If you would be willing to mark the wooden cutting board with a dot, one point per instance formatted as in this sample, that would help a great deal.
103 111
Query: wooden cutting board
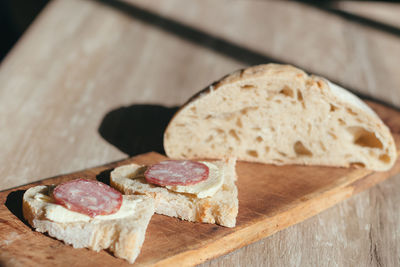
271 198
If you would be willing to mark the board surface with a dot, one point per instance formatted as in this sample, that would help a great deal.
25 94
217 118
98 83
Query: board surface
271 198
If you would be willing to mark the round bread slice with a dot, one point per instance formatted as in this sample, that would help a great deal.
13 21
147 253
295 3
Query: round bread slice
278 114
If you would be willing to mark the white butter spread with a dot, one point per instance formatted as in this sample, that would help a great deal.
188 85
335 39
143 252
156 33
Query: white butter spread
205 188
58 213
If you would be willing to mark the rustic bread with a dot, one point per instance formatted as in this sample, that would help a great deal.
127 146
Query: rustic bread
123 237
278 114
221 208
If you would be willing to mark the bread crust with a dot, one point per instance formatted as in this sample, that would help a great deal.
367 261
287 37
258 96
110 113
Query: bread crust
221 208
271 81
123 237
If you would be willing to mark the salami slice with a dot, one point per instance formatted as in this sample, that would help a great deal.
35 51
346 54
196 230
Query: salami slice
89 197
177 172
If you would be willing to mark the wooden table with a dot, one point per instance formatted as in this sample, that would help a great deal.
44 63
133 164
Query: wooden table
85 69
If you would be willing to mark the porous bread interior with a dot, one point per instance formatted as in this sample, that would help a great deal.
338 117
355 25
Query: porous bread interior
278 114
221 208
123 237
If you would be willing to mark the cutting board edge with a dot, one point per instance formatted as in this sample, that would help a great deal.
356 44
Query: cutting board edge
232 241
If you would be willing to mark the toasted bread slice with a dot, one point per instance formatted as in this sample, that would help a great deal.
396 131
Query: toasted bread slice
278 114
122 236
220 208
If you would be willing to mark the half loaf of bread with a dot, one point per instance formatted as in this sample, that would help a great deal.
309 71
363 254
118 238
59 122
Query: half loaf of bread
278 114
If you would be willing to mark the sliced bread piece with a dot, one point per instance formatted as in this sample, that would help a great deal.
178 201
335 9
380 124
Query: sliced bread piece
121 233
278 114
220 208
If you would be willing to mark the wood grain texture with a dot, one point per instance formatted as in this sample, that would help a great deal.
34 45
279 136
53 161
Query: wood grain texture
387 13
84 65
271 198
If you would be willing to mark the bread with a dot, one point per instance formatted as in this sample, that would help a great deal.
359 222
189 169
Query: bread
123 237
221 208
278 114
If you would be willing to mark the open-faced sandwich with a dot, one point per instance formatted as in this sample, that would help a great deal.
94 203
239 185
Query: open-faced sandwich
197 191
89 214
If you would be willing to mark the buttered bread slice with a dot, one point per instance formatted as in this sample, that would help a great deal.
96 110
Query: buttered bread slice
278 114
213 200
121 232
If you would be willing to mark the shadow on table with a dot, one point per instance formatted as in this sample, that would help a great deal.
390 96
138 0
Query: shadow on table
333 8
192 34
14 204
104 176
237 51
137 129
